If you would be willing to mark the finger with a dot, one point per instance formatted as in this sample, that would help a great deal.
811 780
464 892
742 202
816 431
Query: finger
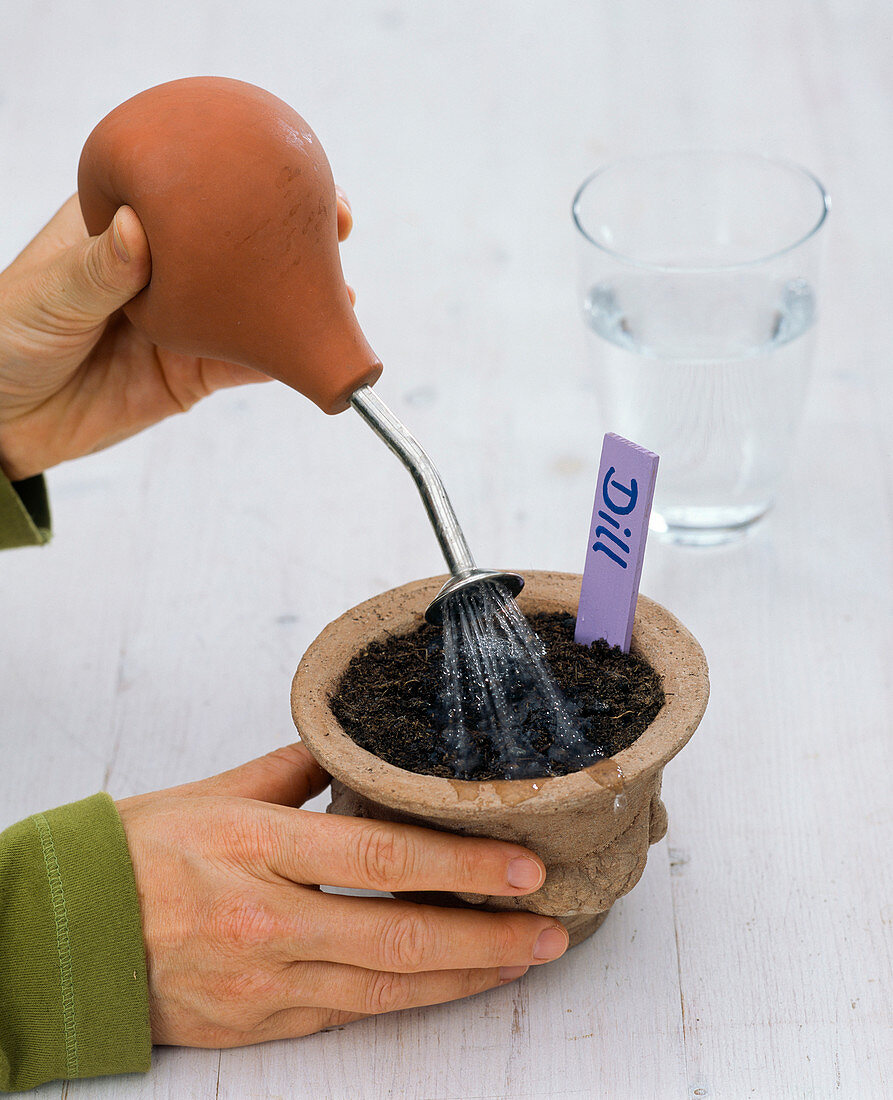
345 214
287 776
352 294
293 1023
378 855
405 938
217 374
371 992
205 375
88 281
65 228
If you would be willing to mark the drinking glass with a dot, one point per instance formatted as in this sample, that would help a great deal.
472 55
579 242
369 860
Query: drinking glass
699 286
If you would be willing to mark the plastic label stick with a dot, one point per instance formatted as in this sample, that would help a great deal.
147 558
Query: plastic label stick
613 568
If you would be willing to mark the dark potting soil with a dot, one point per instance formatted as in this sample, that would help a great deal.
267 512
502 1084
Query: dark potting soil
387 698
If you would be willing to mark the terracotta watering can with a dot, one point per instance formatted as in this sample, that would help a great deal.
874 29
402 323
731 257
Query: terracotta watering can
237 200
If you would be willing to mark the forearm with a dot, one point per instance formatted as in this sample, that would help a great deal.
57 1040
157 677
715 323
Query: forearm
73 987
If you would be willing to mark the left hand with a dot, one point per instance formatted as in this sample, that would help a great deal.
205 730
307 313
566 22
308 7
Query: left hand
242 946
75 375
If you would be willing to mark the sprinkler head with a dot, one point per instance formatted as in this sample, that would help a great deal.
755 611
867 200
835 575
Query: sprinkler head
514 582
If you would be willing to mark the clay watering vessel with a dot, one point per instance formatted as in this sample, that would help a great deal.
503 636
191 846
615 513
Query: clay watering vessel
592 828
238 202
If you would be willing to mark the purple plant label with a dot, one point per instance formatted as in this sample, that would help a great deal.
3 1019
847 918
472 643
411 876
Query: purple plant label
613 568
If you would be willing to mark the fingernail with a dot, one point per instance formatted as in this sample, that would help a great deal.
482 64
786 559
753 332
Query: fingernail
341 195
509 973
524 873
118 242
552 942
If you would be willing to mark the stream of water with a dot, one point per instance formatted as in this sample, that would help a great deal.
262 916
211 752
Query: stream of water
497 685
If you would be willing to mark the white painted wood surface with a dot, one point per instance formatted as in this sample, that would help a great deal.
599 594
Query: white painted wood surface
155 639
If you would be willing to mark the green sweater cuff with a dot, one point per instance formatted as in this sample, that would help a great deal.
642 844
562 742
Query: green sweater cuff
73 987
24 512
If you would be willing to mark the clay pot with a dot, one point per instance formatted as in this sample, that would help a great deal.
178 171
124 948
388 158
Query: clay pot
592 829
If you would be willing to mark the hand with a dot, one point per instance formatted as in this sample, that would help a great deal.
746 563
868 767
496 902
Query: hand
243 946
75 376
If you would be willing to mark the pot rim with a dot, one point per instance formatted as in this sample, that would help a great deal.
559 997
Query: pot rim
658 636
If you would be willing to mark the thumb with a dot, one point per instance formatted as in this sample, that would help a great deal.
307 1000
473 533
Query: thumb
286 776
93 278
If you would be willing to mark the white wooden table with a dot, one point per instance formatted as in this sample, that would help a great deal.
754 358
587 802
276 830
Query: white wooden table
155 640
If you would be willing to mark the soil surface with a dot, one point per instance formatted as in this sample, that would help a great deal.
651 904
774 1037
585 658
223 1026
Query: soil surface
388 698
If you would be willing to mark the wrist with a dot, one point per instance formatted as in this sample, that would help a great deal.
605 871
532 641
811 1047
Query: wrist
19 459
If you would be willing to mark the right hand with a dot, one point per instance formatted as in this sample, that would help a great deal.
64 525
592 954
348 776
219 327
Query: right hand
75 375
243 946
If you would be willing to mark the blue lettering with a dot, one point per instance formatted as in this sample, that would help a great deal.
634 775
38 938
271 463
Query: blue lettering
632 493
599 531
598 546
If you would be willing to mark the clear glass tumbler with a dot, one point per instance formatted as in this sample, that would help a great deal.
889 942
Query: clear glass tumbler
699 275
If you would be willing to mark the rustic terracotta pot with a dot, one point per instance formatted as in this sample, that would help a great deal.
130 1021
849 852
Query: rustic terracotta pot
592 828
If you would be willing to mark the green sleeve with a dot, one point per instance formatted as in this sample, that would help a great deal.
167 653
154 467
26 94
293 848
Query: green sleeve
24 512
73 988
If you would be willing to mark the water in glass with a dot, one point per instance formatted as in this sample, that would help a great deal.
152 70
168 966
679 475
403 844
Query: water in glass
709 370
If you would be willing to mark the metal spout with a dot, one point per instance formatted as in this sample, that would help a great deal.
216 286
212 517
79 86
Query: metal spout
434 497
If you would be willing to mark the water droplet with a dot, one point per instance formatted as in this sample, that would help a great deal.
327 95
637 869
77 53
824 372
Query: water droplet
607 773
512 792
466 792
